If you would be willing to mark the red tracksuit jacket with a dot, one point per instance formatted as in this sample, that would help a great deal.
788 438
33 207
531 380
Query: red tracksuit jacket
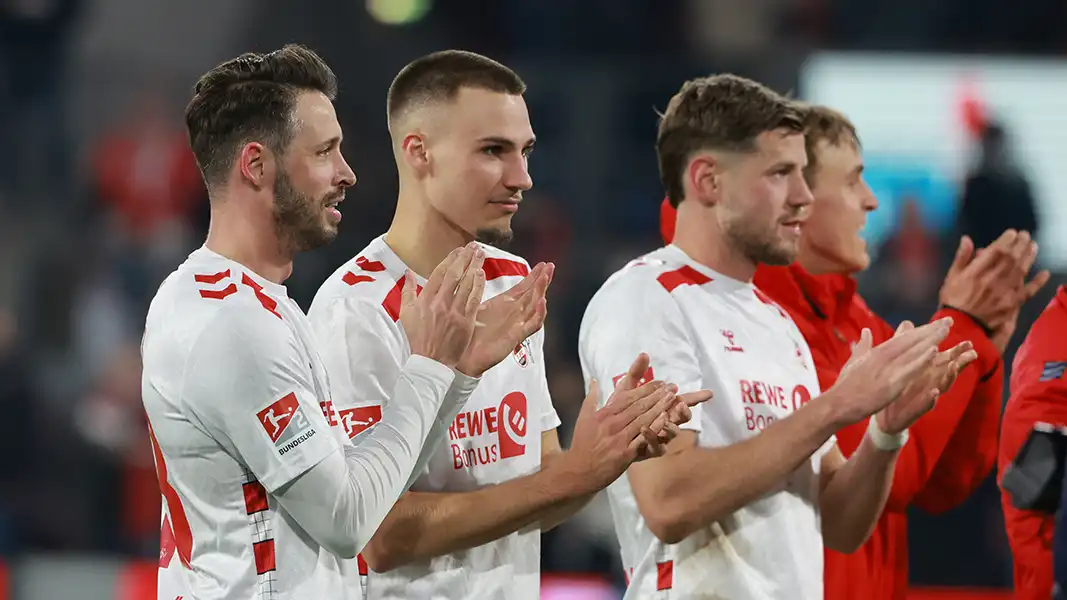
1038 393
950 451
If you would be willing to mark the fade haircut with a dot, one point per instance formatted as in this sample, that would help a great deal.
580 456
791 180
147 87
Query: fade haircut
823 124
251 98
438 77
720 112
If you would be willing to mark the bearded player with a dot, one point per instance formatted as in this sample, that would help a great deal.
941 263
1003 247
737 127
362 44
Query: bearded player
471 525
747 495
262 497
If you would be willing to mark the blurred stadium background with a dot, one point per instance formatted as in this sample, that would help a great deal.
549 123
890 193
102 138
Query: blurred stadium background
99 199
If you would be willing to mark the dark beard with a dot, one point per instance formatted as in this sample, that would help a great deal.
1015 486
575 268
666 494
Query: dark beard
757 250
297 218
499 238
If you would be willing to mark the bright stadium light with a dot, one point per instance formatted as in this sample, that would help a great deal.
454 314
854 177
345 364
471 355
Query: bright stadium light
398 12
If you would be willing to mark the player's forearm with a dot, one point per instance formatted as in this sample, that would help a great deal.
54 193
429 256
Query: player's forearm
853 498
423 525
455 399
706 485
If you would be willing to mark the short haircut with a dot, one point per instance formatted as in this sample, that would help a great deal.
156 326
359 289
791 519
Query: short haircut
438 77
721 112
823 124
251 98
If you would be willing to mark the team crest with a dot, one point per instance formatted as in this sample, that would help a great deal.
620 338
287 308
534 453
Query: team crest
522 353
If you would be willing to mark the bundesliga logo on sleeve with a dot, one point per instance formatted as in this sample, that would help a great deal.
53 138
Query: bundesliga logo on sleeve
285 423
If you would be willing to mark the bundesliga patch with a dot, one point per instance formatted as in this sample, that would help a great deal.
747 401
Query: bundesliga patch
285 423
1053 370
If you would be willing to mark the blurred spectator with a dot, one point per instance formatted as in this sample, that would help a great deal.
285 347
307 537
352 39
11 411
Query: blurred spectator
17 431
34 38
996 195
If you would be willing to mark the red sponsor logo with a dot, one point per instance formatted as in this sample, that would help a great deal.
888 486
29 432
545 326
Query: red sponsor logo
358 420
764 403
506 425
275 418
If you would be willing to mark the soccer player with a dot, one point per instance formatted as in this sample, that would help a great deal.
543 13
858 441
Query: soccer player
752 488
952 449
262 497
471 525
1038 394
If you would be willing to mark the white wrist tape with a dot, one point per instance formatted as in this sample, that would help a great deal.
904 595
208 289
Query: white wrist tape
884 441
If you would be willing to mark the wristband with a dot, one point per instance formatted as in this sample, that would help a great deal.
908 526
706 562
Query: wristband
884 441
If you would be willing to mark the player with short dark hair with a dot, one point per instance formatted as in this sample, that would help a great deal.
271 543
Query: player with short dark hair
471 525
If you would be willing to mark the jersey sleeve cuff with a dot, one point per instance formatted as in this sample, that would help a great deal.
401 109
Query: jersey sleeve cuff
427 367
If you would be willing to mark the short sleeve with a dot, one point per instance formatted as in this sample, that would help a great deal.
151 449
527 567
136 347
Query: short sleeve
631 316
249 384
549 418
364 352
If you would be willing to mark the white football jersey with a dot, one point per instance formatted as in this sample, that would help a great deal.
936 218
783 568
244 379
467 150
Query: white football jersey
235 394
703 330
495 438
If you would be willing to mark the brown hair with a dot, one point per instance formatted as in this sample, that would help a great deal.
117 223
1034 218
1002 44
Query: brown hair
721 112
441 75
251 98
823 124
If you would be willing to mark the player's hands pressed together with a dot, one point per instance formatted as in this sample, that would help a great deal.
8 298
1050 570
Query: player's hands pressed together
507 319
439 322
635 423
921 393
991 285
874 377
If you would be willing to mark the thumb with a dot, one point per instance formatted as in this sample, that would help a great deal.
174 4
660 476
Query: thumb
590 402
407 292
636 372
964 253
904 326
863 346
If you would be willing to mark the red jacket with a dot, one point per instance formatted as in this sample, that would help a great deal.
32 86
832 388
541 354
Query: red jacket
1033 400
950 451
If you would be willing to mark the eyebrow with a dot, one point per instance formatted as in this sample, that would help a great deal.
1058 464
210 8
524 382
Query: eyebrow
505 142
331 143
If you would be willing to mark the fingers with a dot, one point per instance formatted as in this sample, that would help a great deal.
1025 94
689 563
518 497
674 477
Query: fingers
451 278
643 413
694 398
474 298
537 319
905 326
433 285
1034 286
589 404
989 256
465 281
964 255
904 346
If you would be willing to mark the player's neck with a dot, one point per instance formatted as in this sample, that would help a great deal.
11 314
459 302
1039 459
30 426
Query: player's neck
813 261
249 241
701 238
422 237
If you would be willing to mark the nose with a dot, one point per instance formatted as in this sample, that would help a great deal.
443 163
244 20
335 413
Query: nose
517 176
800 194
870 201
346 177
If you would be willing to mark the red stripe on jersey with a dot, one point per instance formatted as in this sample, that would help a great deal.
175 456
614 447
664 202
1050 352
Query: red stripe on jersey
217 277
268 303
502 267
391 304
361 564
664 575
352 279
684 276
183 535
264 553
372 266
767 300
255 497
219 294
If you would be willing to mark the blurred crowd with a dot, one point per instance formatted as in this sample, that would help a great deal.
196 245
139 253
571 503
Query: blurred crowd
100 199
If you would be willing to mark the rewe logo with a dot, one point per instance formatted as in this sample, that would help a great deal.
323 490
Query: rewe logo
512 430
285 423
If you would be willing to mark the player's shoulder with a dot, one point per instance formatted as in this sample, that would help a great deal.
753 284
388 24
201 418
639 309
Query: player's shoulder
645 283
372 280
211 294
